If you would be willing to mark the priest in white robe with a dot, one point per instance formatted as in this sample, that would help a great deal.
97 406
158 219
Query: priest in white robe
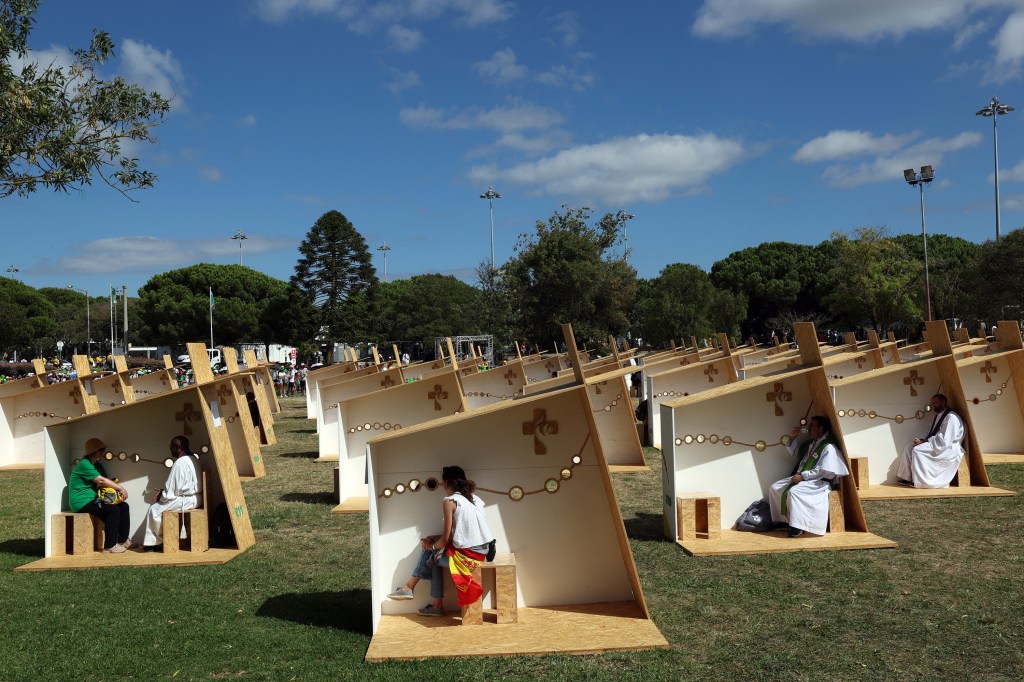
932 461
180 492
801 500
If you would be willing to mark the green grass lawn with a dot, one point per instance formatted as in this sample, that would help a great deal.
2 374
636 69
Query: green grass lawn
946 604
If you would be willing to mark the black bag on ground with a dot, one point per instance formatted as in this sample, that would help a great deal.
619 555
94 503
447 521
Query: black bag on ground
641 411
757 518
221 533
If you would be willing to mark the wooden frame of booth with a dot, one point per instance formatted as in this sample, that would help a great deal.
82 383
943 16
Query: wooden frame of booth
725 447
143 428
25 414
537 463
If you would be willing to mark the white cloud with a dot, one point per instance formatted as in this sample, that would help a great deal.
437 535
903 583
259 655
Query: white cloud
55 56
574 75
891 154
512 118
404 39
1014 202
535 144
967 33
859 21
146 66
248 121
210 174
402 80
1015 174
502 67
621 170
1009 44
838 144
567 26
152 254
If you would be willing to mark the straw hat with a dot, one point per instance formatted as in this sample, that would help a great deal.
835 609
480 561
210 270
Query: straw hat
92 445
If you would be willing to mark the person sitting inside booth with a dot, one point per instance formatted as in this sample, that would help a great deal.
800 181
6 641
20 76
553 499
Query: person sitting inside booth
801 501
932 461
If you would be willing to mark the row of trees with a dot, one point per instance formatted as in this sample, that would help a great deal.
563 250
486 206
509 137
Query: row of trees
570 269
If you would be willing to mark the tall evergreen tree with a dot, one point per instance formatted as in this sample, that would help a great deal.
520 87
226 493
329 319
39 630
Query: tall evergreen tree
335 271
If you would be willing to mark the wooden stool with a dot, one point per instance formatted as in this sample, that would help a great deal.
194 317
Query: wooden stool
836 518
699 516
75 533
195 521
963 473
859 469
504 603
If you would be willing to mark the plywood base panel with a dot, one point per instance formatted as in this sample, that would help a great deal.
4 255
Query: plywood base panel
890 491
246 479
777 541
627 468
577 629
353 505
132 558
23 467
1003 458
327 458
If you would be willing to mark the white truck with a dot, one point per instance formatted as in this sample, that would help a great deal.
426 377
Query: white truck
216 360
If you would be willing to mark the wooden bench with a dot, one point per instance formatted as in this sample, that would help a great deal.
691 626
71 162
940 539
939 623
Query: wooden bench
836 518
196 523
859 469
699 516
75 533
502 574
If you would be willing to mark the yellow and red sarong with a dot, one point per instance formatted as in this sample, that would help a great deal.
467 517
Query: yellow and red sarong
462 563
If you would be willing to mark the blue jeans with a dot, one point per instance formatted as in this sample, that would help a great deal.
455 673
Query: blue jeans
428 569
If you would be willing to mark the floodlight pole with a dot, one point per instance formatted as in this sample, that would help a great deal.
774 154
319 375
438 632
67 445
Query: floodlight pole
623 217
995 110
241 237
491 195
384 248
913 178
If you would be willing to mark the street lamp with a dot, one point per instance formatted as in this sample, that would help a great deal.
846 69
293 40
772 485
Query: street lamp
623 217
926 175
995 110
240 236
13 270
384 248
88 324
491 195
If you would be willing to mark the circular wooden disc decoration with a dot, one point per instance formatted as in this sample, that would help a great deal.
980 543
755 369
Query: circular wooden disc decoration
387 492
760 446
515 493
899 419
431 483
399 488
726 440
679 441
108 456
566 473
205 449
687 439
700 437
168 462
414 485
136 457
576 459
713 438
872 414
919 414
122 456
803 421
785 439
551 485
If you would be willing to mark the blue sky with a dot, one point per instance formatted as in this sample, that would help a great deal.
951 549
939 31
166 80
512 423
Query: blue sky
719 124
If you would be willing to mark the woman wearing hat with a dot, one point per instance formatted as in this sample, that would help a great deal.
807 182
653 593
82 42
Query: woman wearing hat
87 478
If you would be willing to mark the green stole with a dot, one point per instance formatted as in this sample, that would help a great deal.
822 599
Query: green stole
807 465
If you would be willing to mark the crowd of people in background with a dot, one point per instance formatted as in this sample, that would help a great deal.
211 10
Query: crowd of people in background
290 380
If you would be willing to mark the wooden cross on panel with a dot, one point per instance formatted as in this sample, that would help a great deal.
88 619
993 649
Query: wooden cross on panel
186 415
779 396
387 381
540 426
710 371
223 391
912 380
509 376
989 369
437 395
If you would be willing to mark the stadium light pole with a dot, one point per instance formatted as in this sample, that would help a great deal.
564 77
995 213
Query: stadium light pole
926 175
241 237
13 270
623 217
88 323
995 110
491 195
384 248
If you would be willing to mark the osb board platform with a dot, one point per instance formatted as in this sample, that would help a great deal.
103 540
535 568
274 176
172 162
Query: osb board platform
353 505
133 558
27 466
327 458
578 629
777 541
627 468
1003 458
888 491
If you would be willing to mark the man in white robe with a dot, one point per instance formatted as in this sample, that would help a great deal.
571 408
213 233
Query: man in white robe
802 499
180 492
932 461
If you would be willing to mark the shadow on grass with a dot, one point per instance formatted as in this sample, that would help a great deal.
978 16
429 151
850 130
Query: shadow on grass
311 498
348 610
33 547
644 526
303 455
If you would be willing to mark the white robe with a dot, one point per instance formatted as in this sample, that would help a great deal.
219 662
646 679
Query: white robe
807 502
180 494
934 463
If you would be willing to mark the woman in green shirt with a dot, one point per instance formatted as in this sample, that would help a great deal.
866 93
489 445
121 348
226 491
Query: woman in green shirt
87 478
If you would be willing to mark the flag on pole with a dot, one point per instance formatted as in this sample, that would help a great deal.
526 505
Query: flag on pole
211 298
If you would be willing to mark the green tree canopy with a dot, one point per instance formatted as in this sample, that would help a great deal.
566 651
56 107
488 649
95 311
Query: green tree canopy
994 284
26 319
175 305
425 307
566 273
61 126
682 302
335 271
950 259
775 278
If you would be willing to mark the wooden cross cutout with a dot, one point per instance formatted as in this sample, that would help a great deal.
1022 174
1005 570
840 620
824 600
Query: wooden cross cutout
116 387
988 369
598 385
912 380
509 376
186 415
779 396
436 395
223 391
540 426
860 361
387 381
548 367
710 373
74 395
